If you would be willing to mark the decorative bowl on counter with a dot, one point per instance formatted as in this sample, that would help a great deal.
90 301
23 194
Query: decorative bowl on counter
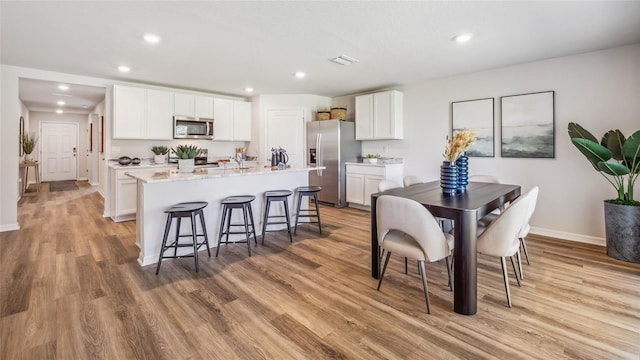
124 160
135 161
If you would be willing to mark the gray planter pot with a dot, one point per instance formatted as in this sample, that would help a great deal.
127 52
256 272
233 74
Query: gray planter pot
622 223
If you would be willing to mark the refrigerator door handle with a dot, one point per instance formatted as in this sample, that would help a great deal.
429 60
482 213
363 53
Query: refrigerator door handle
319 153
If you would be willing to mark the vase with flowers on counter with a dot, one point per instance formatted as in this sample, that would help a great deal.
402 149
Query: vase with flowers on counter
454 172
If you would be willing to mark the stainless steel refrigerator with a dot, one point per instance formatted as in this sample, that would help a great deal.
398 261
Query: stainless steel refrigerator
331 143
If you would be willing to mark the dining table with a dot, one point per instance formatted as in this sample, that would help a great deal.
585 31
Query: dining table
465 208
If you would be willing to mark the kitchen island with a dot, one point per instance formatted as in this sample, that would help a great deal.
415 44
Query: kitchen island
159 190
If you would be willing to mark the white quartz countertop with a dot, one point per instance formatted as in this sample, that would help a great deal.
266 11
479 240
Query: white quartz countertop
211 173
381 162
144 165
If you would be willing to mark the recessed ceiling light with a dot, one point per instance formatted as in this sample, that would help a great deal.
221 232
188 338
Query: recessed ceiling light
63 87
300 74
152 38
462 38
248 89
124 69
59 111
60 102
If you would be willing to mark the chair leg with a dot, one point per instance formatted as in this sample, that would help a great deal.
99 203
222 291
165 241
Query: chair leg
286 213
386 262
253 225
423 273
167 227
220 233
264 220
406 266
515 272
295 231
315 200
204 232
523 242
246 228
505 277
175 248
519 258
450 284
194 236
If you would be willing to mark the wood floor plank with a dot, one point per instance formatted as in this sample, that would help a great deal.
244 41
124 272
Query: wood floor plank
71 288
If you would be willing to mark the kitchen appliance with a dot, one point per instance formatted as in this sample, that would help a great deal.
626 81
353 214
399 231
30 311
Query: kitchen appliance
331 143
185 127
279 156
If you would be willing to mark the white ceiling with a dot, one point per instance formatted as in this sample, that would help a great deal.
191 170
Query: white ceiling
40 95
224 47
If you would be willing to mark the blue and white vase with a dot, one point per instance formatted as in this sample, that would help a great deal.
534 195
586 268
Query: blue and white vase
449 177
463 173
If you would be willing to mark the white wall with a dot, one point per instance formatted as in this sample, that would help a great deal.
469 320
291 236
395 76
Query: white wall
599 90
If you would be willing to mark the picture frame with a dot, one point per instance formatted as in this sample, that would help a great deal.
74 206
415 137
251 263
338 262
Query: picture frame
477 115
528 125
21 135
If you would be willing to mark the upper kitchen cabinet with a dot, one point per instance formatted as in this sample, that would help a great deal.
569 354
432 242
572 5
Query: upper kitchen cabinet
379 116
142 113
184 104
203 107
232 120
159 115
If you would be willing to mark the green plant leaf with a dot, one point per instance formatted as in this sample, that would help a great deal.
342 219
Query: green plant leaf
613 168
593 151
614 140
577 131
631 149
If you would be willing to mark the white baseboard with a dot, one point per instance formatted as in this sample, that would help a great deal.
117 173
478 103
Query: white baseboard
9 227
82 179
569 236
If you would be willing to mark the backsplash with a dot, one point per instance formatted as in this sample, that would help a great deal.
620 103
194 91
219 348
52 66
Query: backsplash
142 148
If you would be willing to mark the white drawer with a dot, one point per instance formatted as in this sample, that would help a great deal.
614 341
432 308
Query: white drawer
366 169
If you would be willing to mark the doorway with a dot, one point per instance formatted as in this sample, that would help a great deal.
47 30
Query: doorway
58 151
285 129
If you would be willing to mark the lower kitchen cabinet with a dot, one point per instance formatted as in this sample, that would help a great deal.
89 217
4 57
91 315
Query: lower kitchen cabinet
124 193
362 180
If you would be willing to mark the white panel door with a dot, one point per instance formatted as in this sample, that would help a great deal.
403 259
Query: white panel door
58 152
285 129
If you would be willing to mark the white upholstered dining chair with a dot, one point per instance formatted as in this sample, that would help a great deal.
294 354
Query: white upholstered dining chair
411 180
500 238
385 185
533 193
408 229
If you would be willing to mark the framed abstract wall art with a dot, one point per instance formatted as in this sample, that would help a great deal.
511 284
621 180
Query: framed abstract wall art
476 115
528 125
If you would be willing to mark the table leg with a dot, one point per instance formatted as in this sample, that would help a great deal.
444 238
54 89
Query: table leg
25 177
465 264
375 252
37 169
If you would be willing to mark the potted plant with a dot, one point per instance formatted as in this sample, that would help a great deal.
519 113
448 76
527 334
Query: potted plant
186 155
617 159
28 144
372 158
160 153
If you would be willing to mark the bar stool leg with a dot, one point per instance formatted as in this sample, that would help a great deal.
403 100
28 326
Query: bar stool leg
194 236
204 231
286 212
315 200
255 237
175 245
221 232
295 231
246 228
164 242
264 220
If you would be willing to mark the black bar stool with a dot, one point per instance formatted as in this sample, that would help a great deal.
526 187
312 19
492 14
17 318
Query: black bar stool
310 191
276 195
179 211
237 202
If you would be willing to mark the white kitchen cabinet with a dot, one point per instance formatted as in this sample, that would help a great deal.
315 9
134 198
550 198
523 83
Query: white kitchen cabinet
363 180
124 192
379 116
203 107
232 120
129 119
159 115
184 104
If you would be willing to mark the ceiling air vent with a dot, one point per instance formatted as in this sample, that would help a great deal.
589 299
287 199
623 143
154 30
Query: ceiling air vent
344 60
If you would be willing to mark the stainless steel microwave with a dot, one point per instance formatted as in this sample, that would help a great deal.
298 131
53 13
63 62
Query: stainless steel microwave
186 127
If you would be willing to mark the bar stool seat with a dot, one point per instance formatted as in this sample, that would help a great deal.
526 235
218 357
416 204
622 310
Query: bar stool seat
237 202
179 211
312 192
271 196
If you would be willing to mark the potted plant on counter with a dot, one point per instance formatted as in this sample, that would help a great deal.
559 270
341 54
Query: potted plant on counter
617 159
28 144
160 154
186 155
372 158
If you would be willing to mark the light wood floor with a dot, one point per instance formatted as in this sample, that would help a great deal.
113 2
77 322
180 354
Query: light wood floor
71 288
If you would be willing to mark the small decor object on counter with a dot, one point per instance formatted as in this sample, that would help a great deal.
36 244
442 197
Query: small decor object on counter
124 160
453 151
323 115
160 154
339 113
28 144
371 158
135 161
463 172
449 177
186 157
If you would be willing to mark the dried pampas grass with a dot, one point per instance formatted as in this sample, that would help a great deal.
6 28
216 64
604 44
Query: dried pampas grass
459 144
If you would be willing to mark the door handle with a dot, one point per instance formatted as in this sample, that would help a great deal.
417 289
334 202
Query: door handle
319 154
74 151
